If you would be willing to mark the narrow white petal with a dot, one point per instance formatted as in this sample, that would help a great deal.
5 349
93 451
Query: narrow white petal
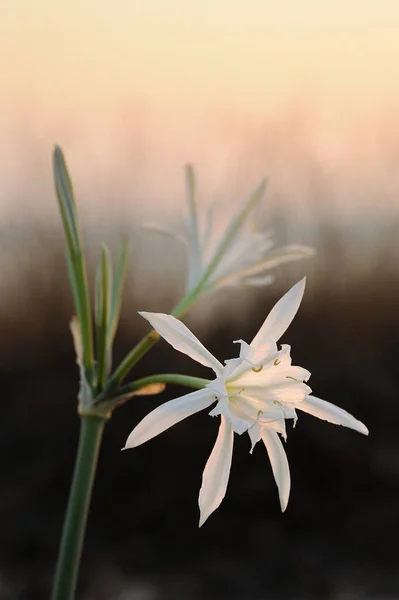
281 315
276 425
154 227
169 414
258 281
276 257
256 355
279 463
329 412
216 472
254 435
253 272
180 337
278 390
245 250
236 419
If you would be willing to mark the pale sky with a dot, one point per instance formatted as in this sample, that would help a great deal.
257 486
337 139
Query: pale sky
249 54
134 89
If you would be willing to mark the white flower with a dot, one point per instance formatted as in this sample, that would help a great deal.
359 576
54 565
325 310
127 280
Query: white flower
227 248
255 393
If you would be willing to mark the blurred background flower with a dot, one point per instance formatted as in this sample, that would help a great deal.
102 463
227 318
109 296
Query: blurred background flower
303 93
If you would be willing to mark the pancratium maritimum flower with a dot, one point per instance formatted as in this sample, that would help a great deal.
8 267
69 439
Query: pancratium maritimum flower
226 247
255 392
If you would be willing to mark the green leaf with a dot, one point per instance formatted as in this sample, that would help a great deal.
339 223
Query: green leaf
116 300
65 195
75 255
102 312
194 246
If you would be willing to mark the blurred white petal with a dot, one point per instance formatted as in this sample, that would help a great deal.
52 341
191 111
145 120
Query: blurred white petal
263 281
227 242
253 275
278 257
155 228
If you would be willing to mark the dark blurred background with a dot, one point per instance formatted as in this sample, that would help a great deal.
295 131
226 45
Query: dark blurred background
338 537
304 93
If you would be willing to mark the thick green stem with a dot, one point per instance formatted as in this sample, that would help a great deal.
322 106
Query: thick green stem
78 507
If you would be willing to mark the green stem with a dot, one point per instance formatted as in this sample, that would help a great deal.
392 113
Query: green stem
146 344
171 378
78 507
132 358
186 302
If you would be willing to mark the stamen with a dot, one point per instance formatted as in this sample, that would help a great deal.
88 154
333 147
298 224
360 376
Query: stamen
262 421
277 362
257 369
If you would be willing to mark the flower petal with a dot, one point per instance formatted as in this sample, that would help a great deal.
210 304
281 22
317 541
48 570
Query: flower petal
329 412
255 435
279 256
253 272
155 228
237 420
256 355
216 472
262 281
281 315
279 463
169 414
180 337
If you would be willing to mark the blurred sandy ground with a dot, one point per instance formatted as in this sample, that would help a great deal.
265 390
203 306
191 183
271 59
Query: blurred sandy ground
330 149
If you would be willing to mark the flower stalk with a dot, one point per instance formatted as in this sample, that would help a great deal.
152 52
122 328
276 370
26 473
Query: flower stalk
91 431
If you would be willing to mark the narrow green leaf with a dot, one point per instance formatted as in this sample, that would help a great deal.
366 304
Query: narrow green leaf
75 256
194 246
74 286
102 311
65 195
117 290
